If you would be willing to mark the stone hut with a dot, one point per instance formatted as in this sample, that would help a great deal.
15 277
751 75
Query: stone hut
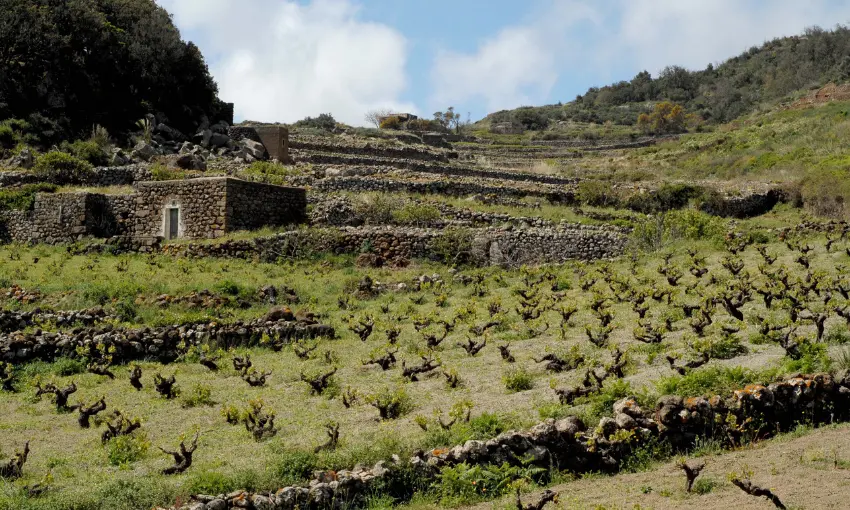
192 209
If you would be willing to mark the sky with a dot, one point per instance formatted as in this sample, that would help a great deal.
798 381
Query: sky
283 60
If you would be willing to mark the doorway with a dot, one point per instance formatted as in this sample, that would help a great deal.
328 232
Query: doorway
172 222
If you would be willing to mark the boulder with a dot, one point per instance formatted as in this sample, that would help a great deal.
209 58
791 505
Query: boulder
220 127
23 159
202 137
144 151
191 162
218 140
255 149
118 158
169 133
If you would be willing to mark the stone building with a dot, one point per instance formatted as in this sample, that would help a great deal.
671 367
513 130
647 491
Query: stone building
192 209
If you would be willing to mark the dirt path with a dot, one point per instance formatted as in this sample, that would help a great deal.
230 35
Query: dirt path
807 472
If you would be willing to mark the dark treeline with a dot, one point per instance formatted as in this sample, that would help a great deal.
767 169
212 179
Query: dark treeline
717 93
66 65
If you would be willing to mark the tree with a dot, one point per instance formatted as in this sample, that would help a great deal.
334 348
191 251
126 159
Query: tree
667 117
448 119
108 62
374 116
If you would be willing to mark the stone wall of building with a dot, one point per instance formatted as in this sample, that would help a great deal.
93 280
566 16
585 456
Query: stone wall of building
55 218
252 205
201 202
208 208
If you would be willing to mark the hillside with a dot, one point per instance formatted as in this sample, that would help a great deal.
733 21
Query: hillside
773 71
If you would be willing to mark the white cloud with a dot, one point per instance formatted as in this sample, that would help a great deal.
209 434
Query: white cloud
517 66
695 33
282 60
586 41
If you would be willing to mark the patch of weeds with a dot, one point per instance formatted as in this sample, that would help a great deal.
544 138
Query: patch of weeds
644 455
704 486
126 449
518 379
200 395
837 335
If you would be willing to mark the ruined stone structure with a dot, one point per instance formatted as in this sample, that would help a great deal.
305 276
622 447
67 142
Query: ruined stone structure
195 209
275 139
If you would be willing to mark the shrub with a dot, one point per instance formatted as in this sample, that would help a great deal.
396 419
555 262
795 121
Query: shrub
87 150
454 245
416 214
126 449
200 395
23 198
227 287
62 168
826 192
518 379
704 486
654 233
293 467
377 209
324 121
8 139
666 198
596 193
392 404
464 483
422 125
160 172
64 367
391 122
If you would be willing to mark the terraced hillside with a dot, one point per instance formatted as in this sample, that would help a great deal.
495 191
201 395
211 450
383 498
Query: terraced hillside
454 322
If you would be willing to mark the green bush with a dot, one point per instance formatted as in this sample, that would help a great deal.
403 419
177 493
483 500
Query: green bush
596 194
666 198
518 379
665 228
293 467
711 381
126 449
464 483
62 168
160 172
454 245
324 121
416 214
396 402
378 208
87 150
392 122
199 396
8 138
227 287
270 172
827 192
23 198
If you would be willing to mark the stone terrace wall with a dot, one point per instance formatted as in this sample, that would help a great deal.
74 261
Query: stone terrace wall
252 205
572 445
487 245
55 218
103 176
202 204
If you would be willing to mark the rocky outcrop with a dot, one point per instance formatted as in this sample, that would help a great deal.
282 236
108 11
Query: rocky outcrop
569 444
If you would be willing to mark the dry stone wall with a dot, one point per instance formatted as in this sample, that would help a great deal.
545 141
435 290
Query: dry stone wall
486 246
201 202
253 205
569 444
162 343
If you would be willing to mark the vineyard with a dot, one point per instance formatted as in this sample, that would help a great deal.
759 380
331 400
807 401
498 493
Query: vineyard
458 325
